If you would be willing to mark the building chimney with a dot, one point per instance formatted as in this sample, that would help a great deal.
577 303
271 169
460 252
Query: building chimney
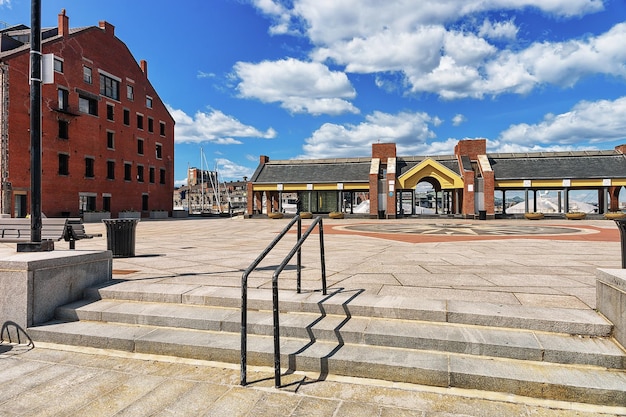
64 24
144 67
264 159
107 27
621 149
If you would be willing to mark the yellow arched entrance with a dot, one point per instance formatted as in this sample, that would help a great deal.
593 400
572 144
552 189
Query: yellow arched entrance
447 178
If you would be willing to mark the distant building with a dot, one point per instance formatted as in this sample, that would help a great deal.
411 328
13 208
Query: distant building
467 183
205 194
107 138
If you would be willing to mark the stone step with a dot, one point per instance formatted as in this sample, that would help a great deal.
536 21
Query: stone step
411 334
578 383
358 303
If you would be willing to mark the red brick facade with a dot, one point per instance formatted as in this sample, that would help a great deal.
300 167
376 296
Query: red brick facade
111 147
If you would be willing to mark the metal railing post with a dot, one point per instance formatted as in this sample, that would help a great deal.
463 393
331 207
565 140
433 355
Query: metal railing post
621 225
322 257
299 259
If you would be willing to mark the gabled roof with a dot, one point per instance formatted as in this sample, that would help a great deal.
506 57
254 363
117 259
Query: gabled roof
314 171
574 165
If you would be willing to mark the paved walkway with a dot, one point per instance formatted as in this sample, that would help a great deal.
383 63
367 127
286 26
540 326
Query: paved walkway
511 262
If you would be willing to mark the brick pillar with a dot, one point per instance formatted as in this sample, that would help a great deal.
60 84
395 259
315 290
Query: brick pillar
489 193
250 199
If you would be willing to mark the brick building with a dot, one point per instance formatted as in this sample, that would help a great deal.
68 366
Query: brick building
107 138
465 183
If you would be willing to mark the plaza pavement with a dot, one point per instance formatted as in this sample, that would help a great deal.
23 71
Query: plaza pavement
480 261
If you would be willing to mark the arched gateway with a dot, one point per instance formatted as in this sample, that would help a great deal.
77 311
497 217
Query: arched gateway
465 182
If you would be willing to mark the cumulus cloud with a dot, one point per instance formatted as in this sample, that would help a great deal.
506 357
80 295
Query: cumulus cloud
423 44
299 87
593 122
458 119
231 171
215 127
409 131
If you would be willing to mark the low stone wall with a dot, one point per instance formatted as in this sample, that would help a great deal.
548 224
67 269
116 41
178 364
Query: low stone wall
33 285
611 299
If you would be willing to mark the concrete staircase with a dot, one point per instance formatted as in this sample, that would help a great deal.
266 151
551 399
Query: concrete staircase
551 353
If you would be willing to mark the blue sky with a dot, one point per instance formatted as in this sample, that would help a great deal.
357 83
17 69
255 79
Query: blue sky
326 78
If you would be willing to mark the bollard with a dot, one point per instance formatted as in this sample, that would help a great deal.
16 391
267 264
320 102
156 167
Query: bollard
621 225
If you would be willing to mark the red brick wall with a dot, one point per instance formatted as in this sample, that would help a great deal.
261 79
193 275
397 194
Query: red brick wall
99 50
471 148
383 151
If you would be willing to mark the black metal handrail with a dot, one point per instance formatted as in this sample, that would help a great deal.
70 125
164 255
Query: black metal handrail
297 249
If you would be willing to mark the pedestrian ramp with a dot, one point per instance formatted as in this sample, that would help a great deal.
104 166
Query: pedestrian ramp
548 353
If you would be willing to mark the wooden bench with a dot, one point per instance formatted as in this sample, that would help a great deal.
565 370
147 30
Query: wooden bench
17 230
76 231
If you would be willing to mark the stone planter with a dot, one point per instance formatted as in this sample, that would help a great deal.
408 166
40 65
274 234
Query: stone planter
613 215
306 215
336 215
533 216
275 215
158 215
575 216
129 215
180 214
95 216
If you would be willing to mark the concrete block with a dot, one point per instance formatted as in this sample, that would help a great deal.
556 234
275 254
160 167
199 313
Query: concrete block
34 284
611 299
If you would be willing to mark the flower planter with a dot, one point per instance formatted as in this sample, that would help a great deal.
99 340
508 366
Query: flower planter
180 214
533 216
129 215
95 216
158 215
575 216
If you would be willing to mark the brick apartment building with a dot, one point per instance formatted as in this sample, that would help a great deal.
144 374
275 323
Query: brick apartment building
107 138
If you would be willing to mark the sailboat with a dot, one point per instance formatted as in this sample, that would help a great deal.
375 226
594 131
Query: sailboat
218 207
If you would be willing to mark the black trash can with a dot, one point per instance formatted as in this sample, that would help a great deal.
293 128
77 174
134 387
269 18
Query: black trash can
121 236
621 225
482 214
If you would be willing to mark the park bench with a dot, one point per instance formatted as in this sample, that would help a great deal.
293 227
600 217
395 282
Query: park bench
17 230
76 231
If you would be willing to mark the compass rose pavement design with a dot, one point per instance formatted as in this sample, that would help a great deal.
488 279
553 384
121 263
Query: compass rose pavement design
450 229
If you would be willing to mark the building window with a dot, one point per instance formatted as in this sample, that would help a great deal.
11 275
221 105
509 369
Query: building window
58 65
87 202
110 109
127 117
109 87
159 151
110 140
64 129
139 173
140 146
162 128
128 169
139 121
130 92
151 175
64 164
63 99
89 167
106 202
162 176
144 202
88 105
150 124
110 170
149 102
87 77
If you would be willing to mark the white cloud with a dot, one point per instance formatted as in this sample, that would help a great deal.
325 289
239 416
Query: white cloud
458 119
586 122
215 127
202 74
300 87
418 42
498 30
230 171
409 131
